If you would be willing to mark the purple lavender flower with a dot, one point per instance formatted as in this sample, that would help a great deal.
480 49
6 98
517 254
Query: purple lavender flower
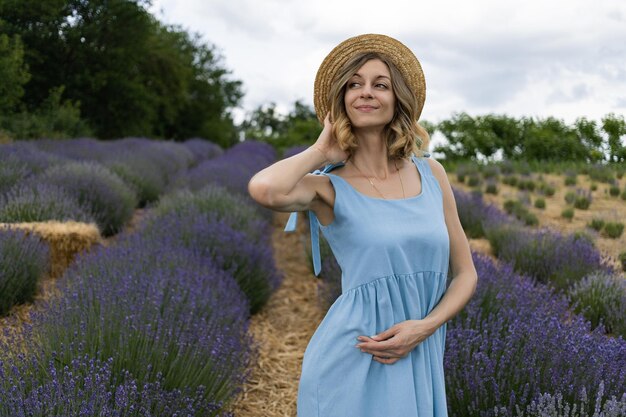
23 261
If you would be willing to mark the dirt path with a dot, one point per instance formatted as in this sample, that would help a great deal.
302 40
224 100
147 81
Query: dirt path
283 329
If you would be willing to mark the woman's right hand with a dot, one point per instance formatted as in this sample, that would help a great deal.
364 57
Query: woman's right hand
328 145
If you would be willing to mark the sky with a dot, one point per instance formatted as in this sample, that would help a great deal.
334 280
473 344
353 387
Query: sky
536 58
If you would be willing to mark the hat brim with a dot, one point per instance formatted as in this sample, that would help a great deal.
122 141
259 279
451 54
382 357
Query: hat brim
401 56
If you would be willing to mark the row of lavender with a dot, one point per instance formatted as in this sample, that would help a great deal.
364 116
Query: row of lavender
81 180
570 264
155 324
518 349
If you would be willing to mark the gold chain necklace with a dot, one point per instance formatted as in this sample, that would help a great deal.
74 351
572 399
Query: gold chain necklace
400 176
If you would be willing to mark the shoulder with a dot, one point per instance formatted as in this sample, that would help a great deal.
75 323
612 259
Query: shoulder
437 169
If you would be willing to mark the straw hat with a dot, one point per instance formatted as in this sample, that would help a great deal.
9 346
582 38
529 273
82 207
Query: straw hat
397 52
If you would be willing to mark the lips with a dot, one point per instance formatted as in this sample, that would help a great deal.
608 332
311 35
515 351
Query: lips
366 108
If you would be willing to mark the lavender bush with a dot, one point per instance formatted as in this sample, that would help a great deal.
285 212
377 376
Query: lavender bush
35 202
233 169
82 388
219 201
517 340
547 255
23 261
601 298
19 162
474 213
167 317
104 194
80 149
202 149
211 234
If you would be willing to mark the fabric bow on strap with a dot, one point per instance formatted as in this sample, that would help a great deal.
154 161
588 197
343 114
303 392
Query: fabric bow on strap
313 227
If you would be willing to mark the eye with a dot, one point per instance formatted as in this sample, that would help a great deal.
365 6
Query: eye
353 84
382 85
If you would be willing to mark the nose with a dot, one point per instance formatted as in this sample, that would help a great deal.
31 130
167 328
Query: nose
366 91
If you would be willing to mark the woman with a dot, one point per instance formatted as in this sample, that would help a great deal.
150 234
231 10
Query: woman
390 218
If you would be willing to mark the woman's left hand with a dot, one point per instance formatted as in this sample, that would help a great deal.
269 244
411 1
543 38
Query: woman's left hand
396 342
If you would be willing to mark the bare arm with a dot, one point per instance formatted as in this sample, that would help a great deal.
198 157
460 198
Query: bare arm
463 285
287 185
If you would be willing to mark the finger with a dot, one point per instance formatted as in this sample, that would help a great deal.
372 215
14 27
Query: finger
385 360
392 331
381 346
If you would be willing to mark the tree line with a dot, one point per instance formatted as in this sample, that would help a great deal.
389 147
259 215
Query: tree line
485 137
110 69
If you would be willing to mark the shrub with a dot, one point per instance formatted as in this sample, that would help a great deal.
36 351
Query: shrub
526 184
144 178
546 189
23 261
570 179
570 197
568 213
510 180
622 259
613 230
593 186
474 213
554 405
596 224
21 161
104 194
582 199
601 298
614 190
32 202
491 188
546 255
601 173
540 203
517 208
215 199
158 314
473 180
212 236
202 149
490 171
516 340
83 388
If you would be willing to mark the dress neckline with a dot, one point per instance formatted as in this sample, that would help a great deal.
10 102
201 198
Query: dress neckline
415 197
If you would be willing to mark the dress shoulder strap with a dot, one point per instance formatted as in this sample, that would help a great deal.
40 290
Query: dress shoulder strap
313 227
422 162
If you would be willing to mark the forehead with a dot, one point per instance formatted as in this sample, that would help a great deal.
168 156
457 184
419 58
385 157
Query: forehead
374 67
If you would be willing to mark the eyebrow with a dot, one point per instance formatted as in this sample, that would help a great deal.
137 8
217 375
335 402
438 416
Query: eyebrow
380 76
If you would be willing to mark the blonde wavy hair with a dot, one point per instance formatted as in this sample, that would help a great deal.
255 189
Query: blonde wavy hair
403 135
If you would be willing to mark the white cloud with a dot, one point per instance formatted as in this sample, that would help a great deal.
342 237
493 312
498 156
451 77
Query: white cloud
536 58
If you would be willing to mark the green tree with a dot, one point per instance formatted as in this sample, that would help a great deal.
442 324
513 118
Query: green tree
615 128
589 136
129 73
461 132
299 127
13 73
551 139
507 132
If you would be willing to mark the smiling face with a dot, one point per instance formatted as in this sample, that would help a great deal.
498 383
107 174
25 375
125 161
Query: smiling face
369 97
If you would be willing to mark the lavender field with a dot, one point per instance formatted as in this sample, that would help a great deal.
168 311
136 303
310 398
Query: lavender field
156 321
